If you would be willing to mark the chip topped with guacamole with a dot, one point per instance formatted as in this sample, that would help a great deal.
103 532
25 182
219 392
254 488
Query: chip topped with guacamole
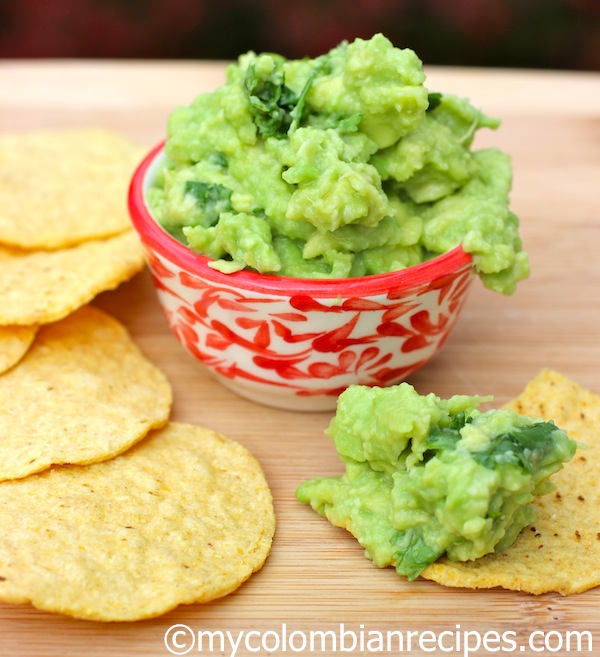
426 477
340 166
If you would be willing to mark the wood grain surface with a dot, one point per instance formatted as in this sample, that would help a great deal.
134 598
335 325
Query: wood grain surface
316 578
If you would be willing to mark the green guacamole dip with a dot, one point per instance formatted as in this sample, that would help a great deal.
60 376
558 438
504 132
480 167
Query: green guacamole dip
343 165
426 476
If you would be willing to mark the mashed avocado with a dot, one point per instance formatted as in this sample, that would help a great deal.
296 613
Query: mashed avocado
343 165
426 476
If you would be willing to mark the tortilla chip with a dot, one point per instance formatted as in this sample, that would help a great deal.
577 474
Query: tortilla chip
14 343
38 287
185 516
60 188
560 551
83 393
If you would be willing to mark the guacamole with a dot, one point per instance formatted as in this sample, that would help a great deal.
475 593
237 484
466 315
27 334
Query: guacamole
338 166
426 476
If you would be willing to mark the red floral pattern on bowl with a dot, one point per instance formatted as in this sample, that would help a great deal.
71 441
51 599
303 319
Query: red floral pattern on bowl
298 343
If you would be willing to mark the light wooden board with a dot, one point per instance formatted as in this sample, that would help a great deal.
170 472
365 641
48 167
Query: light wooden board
316 577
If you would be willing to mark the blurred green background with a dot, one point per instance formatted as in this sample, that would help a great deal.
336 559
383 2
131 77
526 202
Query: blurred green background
552 34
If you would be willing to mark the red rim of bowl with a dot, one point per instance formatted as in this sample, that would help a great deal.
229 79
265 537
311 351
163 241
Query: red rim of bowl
157 238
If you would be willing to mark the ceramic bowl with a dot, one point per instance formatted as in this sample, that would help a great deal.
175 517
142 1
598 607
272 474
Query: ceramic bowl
298 343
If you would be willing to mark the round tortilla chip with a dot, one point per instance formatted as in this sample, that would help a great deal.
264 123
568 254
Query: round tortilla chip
560 551
60 188
14 343
185 516
38 287
83 393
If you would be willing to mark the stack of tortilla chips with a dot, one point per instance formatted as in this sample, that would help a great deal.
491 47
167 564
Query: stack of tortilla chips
109 511
65 233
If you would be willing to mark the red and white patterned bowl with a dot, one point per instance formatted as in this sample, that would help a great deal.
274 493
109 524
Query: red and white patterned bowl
298 343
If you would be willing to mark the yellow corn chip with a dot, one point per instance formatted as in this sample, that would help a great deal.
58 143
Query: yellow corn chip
560 551
38 287
14 343
82 393
185 516
59 188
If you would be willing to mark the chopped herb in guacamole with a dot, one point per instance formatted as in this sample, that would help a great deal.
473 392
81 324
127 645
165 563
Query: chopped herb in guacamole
426 477
352 164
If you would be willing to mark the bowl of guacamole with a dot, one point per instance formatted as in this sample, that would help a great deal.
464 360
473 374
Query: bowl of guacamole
315 223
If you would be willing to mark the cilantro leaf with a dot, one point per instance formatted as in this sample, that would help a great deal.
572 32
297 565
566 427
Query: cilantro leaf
435 100
211 197
276 109
414 553
526 447
445 438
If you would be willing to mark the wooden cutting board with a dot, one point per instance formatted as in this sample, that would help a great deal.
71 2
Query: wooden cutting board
316 578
